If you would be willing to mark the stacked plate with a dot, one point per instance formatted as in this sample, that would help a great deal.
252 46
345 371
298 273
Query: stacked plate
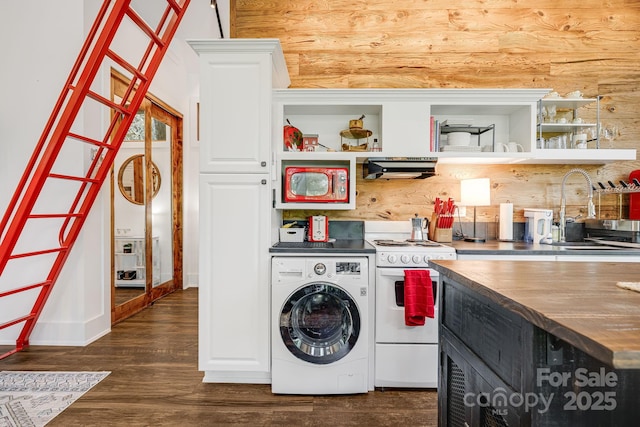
467 148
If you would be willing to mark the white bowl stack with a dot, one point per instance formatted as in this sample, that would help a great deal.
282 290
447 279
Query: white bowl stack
459 138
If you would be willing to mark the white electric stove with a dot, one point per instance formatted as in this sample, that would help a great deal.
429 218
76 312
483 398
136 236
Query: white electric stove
405 356
395 249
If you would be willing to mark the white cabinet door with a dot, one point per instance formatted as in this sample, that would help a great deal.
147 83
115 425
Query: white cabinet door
235 112
234 323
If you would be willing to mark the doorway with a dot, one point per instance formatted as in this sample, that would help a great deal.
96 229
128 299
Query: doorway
146 207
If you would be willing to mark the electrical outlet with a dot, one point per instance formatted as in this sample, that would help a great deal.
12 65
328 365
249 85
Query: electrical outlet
461 210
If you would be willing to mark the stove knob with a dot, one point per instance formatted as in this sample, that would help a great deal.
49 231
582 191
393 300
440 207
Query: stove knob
416 259
405 259
392 259
427 258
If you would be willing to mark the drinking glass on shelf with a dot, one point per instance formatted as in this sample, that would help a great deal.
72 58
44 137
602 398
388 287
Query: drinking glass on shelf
562 141
608 132
551 113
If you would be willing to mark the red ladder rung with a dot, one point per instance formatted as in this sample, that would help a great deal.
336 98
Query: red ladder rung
90 140
101 99
61 215
167 15
144 27
25 288
16 321
74 178
125 64
35 253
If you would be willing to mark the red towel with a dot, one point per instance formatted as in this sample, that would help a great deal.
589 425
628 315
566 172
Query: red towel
418 297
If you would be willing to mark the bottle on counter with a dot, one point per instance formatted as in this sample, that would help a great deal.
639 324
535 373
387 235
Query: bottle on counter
555 232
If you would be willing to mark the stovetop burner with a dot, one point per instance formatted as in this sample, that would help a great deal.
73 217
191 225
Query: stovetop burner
408 242
391 243
428 243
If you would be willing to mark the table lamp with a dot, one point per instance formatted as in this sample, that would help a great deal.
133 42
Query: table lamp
475 192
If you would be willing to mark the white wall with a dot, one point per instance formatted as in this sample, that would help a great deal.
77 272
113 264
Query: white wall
36 65
78 308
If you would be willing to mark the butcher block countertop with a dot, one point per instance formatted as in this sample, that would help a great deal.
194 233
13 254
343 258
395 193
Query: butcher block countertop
577 302
495 247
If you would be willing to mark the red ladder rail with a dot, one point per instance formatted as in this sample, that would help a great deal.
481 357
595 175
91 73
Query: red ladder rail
77 96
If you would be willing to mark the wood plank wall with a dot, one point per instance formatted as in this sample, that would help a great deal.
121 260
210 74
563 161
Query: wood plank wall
587 45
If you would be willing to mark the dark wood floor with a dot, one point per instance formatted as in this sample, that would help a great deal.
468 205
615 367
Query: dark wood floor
155 382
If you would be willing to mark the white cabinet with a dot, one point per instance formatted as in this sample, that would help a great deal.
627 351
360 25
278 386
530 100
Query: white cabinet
339 160
397 118
130 260
234 322
561 116
400 120
494 117
236 213
236 81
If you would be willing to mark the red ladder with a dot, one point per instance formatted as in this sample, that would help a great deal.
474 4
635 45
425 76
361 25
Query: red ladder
25 214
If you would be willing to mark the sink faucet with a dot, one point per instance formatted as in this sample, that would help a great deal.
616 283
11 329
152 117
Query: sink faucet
591 209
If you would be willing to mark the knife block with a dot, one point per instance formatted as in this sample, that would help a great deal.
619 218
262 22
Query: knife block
442 235
432 226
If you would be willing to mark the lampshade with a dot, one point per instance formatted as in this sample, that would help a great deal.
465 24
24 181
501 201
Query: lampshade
475 192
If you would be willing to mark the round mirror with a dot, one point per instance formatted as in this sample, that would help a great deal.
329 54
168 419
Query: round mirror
131 179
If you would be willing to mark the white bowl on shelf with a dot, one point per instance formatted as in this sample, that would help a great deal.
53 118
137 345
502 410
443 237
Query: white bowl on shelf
459 138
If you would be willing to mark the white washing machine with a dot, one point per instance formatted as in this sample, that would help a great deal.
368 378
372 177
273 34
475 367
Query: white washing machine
320 329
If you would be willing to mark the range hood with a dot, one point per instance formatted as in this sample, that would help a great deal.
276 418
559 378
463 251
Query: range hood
399 167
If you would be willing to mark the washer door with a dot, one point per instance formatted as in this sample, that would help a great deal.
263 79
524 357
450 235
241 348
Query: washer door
320 323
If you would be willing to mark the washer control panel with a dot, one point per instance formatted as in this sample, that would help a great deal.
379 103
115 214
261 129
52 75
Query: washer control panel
339 269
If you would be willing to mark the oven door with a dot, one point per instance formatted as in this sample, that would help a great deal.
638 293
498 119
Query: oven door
390 326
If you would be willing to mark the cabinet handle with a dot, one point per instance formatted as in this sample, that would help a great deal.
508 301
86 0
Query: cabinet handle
263 182
263 164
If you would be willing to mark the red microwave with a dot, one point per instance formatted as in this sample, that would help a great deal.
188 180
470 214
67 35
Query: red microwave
316 184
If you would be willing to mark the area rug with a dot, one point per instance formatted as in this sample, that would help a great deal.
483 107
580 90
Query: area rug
33 398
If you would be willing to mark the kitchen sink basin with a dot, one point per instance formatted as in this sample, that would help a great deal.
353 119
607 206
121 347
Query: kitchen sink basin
594 245
577 244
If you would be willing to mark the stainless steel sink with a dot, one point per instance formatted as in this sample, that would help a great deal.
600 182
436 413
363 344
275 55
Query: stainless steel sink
593 245
576 244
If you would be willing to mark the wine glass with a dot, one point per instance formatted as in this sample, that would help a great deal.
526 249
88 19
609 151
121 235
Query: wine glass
551 113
